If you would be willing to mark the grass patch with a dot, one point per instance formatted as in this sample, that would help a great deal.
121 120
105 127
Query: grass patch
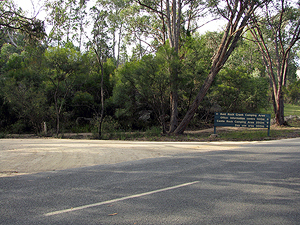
205 136
294 122
242 134
289 109
154 134
259 135
227 134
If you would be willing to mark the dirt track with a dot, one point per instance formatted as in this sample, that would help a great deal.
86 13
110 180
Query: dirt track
23 156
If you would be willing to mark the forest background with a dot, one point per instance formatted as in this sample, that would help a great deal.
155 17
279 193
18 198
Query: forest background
126 65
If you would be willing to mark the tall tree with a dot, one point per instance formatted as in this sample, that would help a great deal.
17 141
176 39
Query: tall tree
116 21
170 20
237 13
22 84
143 85
276 34
67 19
62 64
102 48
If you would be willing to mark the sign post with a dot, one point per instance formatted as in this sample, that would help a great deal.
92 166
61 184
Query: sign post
250 120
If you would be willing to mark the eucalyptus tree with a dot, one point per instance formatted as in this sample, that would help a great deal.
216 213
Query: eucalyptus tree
62 64
142 86
102 46
16 32
277 33
22 85
238 14
163 20
67 19
116 21
169 22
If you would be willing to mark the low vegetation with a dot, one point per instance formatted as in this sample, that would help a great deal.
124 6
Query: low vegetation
205 135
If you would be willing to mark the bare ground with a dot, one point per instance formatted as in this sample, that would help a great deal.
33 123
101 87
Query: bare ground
24 156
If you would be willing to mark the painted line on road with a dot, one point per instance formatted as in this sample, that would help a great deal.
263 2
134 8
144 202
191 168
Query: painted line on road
119 199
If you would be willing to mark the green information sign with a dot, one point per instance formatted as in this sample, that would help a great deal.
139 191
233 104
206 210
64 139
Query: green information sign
250 120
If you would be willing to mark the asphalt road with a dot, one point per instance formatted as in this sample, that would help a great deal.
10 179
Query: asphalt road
257 183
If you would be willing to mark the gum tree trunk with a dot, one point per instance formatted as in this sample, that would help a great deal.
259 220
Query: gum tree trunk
239 15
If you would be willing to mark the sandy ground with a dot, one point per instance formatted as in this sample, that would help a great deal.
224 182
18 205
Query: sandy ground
24 156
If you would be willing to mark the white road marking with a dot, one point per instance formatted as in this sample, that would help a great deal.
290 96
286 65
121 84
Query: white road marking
119 199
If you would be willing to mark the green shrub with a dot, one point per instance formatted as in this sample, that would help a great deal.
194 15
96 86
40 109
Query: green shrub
153 131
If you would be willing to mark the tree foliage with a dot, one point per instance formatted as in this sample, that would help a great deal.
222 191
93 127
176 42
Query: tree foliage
23 88
238 14
78 78
276 33
238 91
62 65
